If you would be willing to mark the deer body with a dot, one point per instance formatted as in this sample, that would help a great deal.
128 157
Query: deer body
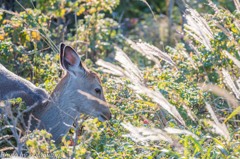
79 91
13 86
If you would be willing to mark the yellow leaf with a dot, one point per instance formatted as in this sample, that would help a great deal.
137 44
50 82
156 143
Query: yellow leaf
234 30
62 12
81 10
83 151
147 103
234 113
1 36
35 35
95 120
5 21
92 10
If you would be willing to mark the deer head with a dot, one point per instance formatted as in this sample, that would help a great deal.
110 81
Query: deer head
83 87
79 91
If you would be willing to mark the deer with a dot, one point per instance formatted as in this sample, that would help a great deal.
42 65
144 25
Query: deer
79 91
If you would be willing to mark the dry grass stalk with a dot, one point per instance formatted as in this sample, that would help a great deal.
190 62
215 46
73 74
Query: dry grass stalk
230 83
237 24
151 52
228 33
219 128
186 55
220 92
112 69
219 24
130 70
137 48
142 134
231 57
197 27
237 4
213 6
224 30
190 113
238 82
170 130
157 97
12 123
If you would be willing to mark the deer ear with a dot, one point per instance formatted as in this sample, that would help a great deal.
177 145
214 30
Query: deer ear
70 60
62 45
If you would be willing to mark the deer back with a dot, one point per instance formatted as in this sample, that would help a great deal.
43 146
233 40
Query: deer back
13 86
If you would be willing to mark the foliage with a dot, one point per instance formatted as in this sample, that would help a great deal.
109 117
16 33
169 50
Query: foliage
28 41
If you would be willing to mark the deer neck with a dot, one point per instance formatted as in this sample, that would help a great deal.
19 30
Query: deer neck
59 114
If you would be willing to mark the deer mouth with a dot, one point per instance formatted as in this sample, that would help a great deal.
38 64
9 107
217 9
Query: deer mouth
103 117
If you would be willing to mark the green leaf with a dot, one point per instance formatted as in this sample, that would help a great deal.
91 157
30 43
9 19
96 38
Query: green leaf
197 145
234 113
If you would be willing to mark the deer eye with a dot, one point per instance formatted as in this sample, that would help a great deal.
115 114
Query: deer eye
98 90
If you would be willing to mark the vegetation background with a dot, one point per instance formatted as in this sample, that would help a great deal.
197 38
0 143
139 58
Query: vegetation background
170 68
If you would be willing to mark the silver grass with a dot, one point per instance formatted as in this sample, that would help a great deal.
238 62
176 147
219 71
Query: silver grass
220 92
228 33
186 55
130 69
134 74
190 113
213 6
151 52
221 129
112 69
157 97
197 27
231 57
170 130
138 49
230 83
236 22
238 83
142 134
237 5
224 30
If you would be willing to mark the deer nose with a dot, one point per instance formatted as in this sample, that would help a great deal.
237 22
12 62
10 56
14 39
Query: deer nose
105 116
